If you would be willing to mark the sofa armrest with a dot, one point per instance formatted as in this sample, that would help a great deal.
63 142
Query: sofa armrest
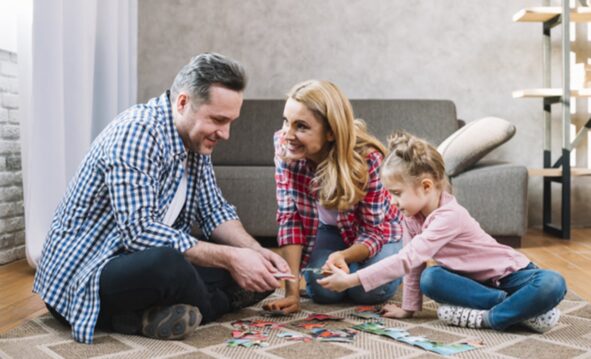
495 194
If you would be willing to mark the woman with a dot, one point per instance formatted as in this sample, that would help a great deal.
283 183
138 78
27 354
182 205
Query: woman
332 207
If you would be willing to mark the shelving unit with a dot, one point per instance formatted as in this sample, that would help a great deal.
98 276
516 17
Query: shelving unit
560 171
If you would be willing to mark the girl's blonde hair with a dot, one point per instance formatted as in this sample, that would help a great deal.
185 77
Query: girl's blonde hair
341 178
413 158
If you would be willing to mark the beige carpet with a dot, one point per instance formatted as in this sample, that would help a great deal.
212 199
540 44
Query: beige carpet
46 338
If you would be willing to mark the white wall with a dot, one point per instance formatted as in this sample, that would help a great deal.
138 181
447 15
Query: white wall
8 21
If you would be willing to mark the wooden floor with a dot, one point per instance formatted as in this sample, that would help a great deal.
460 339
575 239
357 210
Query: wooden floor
571 258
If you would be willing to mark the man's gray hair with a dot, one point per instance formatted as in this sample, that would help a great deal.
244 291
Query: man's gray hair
205 70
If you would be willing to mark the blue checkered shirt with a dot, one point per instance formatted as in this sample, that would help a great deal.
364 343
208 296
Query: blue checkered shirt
116 204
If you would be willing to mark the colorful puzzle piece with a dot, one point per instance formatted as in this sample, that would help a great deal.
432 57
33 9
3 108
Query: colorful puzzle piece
307 325
322 317
418 341
327 335
247 343
295 337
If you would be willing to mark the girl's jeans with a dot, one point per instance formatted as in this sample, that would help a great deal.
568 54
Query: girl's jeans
520 295
328 240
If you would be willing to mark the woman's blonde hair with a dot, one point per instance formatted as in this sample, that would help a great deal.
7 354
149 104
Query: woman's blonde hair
413 158
341 178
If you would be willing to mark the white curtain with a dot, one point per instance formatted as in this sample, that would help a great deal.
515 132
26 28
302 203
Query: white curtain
78 60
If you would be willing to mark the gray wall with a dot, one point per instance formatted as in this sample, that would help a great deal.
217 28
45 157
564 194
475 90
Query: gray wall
12 223
466 51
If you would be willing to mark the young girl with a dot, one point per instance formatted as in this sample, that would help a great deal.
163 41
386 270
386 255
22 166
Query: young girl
481 283
332 206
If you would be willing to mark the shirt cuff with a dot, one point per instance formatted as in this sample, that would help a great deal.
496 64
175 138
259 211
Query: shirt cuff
185 242
224 214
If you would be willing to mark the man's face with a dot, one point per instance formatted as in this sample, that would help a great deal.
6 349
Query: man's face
202 127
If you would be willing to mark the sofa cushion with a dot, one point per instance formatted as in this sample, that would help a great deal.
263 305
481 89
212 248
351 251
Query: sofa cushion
475 140
251 135
252 190
432 120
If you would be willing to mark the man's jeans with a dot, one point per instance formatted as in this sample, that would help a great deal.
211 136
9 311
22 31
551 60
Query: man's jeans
160 276
328 240
520 295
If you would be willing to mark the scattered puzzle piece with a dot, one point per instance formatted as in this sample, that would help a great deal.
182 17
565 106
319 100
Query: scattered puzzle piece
418 341
307 325
295 337
367 315
322 317
327 335
367 308
247 343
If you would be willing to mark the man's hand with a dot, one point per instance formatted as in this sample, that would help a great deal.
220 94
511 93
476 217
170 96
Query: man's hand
338 260
278 264
338 281
394 311
251 270
289 304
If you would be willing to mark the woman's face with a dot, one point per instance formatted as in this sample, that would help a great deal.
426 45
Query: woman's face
305 136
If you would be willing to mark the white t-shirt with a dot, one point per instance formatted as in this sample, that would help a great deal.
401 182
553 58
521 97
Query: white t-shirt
178 201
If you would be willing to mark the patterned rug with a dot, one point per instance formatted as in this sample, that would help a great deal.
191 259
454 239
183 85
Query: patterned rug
44 337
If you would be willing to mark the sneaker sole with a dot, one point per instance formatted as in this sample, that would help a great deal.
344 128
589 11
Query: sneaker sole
170 323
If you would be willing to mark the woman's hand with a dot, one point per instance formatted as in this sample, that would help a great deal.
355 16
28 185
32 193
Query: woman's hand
338 281
394 311
337 259
289 304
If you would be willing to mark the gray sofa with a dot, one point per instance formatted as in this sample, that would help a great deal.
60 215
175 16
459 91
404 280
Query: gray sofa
494 193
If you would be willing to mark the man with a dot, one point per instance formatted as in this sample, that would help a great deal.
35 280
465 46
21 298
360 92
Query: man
119 255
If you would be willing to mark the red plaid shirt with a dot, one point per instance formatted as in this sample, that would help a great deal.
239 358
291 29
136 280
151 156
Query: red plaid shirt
372 222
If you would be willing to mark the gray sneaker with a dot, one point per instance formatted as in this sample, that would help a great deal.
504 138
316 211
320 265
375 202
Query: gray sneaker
170 322
241 298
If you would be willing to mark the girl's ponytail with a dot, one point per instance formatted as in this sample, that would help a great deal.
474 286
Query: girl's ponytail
415 157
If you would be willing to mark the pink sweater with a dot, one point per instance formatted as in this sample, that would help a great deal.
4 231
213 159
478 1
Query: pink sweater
451 237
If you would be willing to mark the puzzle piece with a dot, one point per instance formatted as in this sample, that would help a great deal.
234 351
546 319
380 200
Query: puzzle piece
295 337
322 317
327 335
252 335
315 271
367 308
311 325
247 343
259 323
367 315
418 341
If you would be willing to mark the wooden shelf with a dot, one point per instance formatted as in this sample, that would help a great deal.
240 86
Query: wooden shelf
550 92
545 13
557 172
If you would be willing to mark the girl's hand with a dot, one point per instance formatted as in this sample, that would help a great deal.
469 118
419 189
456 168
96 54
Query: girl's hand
338 260
394 311
338 281
289 304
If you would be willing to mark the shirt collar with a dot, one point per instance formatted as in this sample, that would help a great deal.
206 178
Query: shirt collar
177 142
